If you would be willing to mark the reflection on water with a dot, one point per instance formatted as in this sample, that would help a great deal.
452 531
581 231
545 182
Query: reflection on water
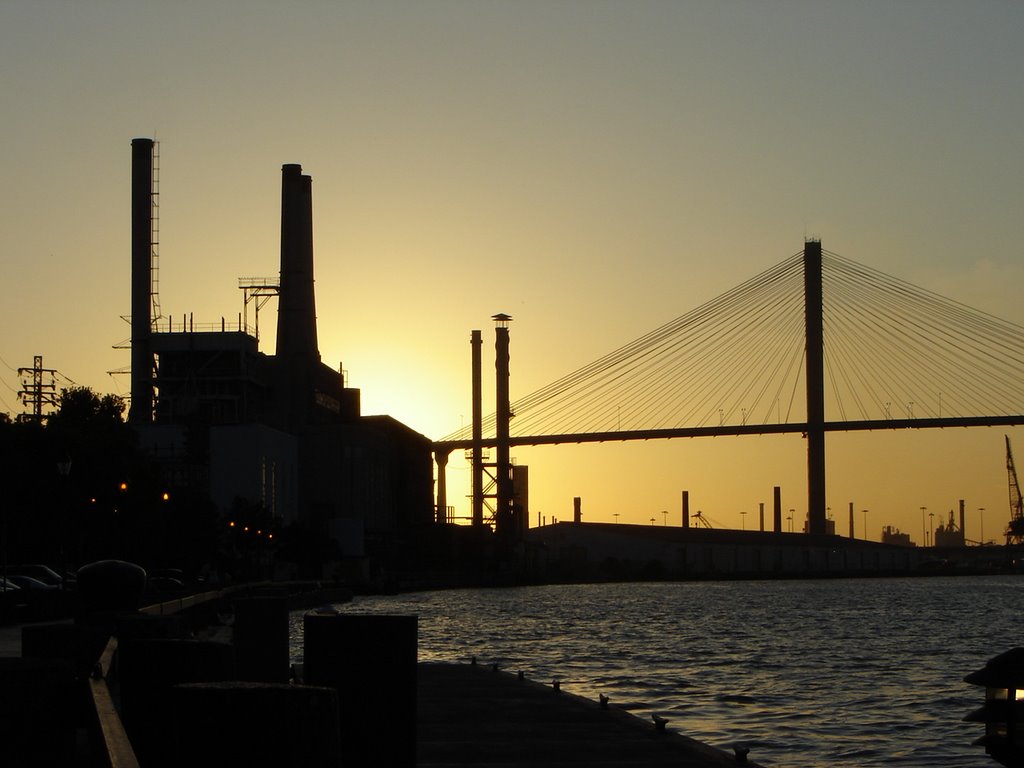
808 673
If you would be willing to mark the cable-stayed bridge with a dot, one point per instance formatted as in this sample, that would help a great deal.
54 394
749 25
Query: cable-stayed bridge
815 344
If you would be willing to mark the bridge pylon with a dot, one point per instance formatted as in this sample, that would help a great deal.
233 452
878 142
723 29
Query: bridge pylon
815 371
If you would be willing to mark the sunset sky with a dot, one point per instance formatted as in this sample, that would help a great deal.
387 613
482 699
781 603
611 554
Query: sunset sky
593 169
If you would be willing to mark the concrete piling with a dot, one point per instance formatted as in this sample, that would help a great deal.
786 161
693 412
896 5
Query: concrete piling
38 712
261 638
251 723
371 662
148 669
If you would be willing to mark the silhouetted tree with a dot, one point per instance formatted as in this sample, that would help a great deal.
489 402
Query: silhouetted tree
78 488
308 548
249 541
28 477
109 496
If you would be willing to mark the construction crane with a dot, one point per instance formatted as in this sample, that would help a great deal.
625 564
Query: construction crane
1015 530
701 521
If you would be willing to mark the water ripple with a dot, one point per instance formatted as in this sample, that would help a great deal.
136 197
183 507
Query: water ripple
808 673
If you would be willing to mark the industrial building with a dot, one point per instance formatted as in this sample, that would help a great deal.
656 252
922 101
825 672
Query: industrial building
280 431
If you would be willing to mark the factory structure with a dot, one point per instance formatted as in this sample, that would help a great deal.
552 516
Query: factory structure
282 432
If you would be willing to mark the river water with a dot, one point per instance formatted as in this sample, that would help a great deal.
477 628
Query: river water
845 672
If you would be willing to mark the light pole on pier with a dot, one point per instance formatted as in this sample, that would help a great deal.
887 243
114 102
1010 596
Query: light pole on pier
743 520
981 514
865 524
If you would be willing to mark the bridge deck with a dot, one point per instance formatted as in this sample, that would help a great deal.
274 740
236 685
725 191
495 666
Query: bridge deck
470 715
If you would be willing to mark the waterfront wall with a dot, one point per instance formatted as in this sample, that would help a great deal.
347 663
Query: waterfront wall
614 551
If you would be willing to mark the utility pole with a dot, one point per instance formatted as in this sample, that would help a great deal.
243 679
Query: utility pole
38 389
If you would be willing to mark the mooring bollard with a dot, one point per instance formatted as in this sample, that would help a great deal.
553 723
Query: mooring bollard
110 586
371 661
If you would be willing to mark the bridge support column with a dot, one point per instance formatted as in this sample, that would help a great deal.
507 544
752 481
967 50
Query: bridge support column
441 510
814 339
777 509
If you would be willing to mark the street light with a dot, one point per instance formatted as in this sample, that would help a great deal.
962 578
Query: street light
616 516
1001 711
924 531
743 520
790 519
981 512
652 521
931 528
664 513
865 524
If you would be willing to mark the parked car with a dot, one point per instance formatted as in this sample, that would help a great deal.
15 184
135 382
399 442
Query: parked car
32 584
162 585
39 599
43 573
10 598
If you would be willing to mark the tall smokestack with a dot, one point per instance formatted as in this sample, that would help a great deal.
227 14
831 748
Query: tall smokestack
777 508
476 340
296 313
141 410
504 515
